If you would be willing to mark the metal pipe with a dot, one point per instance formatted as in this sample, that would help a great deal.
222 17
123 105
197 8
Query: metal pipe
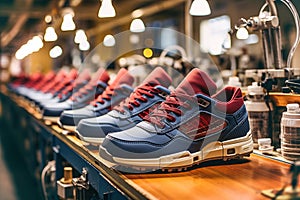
188 29
294 12
266 48
276 38
273 8
276 47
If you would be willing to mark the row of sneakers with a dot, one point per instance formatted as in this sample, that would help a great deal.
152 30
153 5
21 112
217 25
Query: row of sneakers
155 128
78 95
53 94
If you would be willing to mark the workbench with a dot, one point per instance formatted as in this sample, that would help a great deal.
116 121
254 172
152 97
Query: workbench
235 179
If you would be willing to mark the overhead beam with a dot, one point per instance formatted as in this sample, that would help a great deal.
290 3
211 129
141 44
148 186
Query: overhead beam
16 22
39 12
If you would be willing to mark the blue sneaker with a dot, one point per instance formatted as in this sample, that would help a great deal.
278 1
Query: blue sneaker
116 92
80 98
147 96
190 127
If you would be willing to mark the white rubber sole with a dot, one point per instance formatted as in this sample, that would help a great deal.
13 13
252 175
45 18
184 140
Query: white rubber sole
53 120
235 148
68 128
90 140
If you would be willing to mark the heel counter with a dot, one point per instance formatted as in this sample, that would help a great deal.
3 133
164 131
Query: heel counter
239 127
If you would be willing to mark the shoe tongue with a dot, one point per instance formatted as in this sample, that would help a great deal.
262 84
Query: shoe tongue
83 76
197 82
158 77
73 74
123 77
61 74
101 75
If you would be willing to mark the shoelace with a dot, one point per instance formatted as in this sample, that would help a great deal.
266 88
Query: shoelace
132 102
69 88
105 96
83 91
170 105
44 82
33 81
61 85
50 86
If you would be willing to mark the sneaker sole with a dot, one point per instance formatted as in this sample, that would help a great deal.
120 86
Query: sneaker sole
66 127
53 120
90 140
231 149
69 128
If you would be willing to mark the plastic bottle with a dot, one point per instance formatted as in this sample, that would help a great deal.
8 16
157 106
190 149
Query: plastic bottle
290 132
258 113
234 81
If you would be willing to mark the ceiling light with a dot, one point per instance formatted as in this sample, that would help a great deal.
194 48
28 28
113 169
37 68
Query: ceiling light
38 41
242 33
84 46
200 8
22 52
35 44
48 19
55 52
147 52
106 9
68 23
50 34
137 13
32 45
134 39
109 41
137 26
80 36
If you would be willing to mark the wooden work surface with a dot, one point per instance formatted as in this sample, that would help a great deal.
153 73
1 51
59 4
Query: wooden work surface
242 179
235 179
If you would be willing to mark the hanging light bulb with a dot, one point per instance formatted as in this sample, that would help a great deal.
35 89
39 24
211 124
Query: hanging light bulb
200 8
109 41
32 45
22 52
106 9
84 45
137 26
68 23
50 34
80 36
38 41
48 19
242 33
55 52
35 44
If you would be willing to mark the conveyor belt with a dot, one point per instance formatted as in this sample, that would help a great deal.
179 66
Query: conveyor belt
235 179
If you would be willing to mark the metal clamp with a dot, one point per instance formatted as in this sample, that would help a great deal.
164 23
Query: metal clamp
82 181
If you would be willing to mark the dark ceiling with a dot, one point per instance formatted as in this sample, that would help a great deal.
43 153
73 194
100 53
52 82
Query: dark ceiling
20 19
